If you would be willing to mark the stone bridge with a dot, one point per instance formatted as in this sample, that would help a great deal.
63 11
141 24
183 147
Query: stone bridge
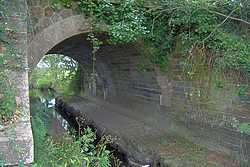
45 30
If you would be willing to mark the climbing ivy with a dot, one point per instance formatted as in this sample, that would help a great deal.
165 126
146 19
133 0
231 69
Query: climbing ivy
96 43
7 104
6 96
177 27
235 50
201 25
125 20
11 59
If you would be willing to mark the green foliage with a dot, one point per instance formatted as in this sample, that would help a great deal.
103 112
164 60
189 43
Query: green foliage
219 83
72 152
11 58
233 52
243 127
69 150
198 24
59 4
54 71
7 102
242 90
127 23
39 133
210 25
95 42
124 20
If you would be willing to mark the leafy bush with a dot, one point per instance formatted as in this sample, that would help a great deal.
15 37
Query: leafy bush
218 26
70 151
204 24
125 15
196 22
233 52
54 71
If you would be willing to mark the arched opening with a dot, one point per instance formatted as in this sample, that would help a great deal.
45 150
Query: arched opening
78 49
69 62
53 71
117 69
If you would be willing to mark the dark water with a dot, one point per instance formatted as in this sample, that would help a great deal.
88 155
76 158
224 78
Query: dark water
58 123
43 105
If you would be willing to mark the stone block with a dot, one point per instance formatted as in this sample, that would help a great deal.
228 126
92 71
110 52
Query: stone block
16 143
66 13
56 17
36 11
43 2
43 23
48 11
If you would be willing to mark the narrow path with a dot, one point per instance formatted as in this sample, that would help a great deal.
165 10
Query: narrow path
143 134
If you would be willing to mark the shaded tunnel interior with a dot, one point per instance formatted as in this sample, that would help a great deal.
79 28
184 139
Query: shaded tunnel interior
116 67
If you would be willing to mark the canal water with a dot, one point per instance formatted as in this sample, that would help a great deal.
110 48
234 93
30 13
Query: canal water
43 106
57 123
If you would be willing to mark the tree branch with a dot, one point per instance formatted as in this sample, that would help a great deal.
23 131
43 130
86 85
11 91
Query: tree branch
218 26
228 17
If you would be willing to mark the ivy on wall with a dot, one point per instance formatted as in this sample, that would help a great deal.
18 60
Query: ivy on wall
125 20
199 25
216 28
11 58
6 96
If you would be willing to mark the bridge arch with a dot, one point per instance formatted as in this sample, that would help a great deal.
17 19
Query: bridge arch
49 37
117 64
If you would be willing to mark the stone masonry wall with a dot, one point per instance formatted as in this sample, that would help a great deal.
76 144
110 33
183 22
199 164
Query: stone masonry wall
16 142
43 14
208 109
128 80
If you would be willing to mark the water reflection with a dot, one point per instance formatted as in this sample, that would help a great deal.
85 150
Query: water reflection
43 106
52 103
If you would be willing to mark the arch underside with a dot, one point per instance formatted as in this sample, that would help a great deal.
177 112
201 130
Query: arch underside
116 64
